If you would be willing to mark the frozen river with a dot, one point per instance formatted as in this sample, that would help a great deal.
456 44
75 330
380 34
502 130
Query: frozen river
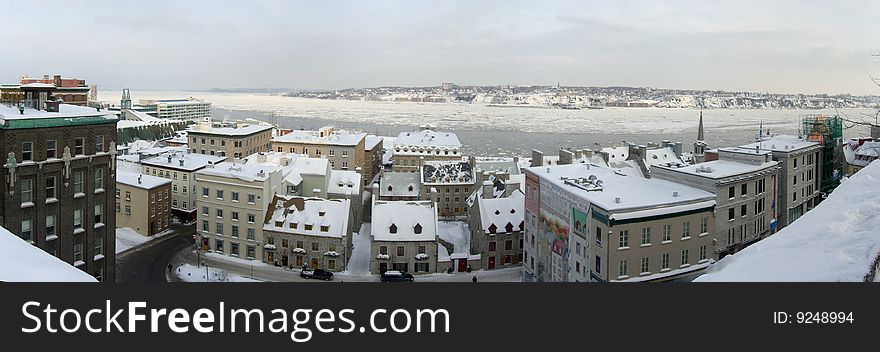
511 130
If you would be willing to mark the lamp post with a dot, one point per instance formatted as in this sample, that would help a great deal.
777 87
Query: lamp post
207 278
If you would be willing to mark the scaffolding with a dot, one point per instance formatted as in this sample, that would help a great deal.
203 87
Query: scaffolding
827 131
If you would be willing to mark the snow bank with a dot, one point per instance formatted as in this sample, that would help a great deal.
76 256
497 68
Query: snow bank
836 241
23 262
191 273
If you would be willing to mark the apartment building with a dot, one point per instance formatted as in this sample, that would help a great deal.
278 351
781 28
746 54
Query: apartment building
589 223
373 153
744 184
180 167
447 183
309 231
189 109
344 149
799 181
496 219
411 148
143 202
236 142
59 182
404 237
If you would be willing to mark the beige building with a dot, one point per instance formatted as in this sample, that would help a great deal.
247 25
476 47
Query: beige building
308 231
373 153
404 237
344 149
744 182
448 183
143 202
588 223
411 148
235 142
180 167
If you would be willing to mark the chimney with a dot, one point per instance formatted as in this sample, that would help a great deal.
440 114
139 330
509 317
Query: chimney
181 160
537 158
488 189
676 148
510 187
57 81
565 157
139 178
643 152
169 158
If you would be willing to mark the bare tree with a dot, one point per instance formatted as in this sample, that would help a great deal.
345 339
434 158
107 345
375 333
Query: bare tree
864 119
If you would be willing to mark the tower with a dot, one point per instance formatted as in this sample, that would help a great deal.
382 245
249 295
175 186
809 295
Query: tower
126 99
700 144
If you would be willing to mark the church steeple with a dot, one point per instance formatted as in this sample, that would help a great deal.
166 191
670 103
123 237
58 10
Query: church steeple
700 135
700 144
126 99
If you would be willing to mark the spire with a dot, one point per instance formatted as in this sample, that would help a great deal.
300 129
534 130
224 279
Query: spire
700 136
126 99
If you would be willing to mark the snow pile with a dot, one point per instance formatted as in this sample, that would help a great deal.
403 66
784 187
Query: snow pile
331 254
359 262
298 250
24 262
383 257
421 256
456 233
269 246
127 238
836 241
192 273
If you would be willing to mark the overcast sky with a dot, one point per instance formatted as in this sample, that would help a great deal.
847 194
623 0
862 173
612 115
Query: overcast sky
775 46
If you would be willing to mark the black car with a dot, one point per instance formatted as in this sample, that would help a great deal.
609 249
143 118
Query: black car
396 276
320 274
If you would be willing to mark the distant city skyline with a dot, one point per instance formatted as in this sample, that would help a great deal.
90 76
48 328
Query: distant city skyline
792 47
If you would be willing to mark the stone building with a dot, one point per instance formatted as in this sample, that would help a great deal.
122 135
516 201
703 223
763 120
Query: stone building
404 237
309 231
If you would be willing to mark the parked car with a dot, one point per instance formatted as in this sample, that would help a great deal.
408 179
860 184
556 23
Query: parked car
319 274
396 276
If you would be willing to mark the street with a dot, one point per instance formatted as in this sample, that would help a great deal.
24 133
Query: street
150 263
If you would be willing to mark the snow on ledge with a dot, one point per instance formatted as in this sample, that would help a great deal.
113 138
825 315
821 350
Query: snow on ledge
836 241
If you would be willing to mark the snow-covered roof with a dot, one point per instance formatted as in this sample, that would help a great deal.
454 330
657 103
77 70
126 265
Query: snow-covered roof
24 262
662 156
447 172
861 152
316 212
399 184
372 141
835 241
620 153
241 171
144 117
140 180
781 143
37 85
183 160
332 137
490 164
427 138
404 215
8 112
622 195
230 131
293 165
344 182
501 212
719 169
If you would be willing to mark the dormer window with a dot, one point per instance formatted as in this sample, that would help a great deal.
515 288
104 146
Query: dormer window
293 225
417 229
389 188
513 211
392 228
279 224
497 212
325 228
410 188
509 227
308 227
322 213
493 228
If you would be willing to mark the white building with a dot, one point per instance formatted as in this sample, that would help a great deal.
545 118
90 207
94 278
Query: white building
180 167
190 109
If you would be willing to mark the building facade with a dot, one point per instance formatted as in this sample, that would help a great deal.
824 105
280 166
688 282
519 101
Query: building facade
190 109
180 167
497 221
59 183
143 202
404 237
411 148
448 184
302 231
344 149
587 223
373 153
231 142
744 184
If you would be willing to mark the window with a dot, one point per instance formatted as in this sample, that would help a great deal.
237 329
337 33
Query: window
127 209
704 225
99 179
26 191
77 252
598 266
383 250
794 197
205 191
206 210
623 240
598 235
417 229
743 209
250 234
235 216
50 225
344 165
233 249
392 229
684 257
26 230
664 261
401 251
667 233
703 252
316 246
731 213
251 218
795 180
99 144
686 229
309 227
219 213
205 226
646 236
234 231
77 219
491 246
51 146
97 246
508 245
332 152
219 228
744 189
646 265
99 214
218 246
250 252
252 198
795 163
27 151
345 153
234 196
78 144
731 192
220 194
622 269
318 151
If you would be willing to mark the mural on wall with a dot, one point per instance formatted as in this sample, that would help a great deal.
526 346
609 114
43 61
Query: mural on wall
557 231
581 221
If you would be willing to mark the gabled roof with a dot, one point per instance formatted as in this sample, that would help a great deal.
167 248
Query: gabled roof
289 211
502 212
404 216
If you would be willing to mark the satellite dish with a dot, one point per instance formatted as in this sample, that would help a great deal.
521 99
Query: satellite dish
592 178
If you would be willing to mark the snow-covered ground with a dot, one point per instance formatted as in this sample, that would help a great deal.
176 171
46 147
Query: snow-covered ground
836 241
511 274
127 238
191 273
457 233
359 262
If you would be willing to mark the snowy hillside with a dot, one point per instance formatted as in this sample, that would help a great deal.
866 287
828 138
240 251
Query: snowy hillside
837 241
